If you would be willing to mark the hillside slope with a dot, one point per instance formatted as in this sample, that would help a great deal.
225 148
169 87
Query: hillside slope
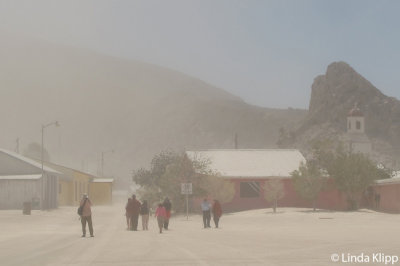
135 108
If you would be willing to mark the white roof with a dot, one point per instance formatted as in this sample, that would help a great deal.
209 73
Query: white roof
251 163
20 177
29 161
103 180
393 180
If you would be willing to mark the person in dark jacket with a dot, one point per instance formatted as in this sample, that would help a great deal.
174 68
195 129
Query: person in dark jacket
128 214
144 212
168 206
134 208
217 212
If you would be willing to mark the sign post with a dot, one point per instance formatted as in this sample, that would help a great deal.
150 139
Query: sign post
186 189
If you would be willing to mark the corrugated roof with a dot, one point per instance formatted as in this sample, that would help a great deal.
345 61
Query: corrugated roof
103 180
251 163
29 161
20 177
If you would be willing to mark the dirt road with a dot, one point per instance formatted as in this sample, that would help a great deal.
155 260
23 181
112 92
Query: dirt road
290 237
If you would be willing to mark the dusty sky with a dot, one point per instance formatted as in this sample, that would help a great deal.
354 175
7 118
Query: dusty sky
267 52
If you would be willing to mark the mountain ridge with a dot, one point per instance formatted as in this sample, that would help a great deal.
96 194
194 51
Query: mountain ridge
135 108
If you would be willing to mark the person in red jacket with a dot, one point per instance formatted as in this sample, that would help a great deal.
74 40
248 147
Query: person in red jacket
161 215
217 212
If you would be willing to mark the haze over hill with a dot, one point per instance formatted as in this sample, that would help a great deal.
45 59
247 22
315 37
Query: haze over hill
106 103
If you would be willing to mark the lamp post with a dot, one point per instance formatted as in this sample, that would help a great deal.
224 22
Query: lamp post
102 160
41 159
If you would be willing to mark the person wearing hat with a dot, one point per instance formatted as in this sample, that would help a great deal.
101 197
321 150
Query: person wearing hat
86 215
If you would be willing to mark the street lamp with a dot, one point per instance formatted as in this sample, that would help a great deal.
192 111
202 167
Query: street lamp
41 159
102 160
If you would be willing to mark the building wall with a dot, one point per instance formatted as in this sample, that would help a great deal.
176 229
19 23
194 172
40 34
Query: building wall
330 198
100 193
80 186
49 198
353 121
13 193
65 193
361 147
389 197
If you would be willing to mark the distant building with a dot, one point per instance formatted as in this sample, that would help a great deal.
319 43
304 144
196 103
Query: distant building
21 180
73 184
385 195
356 139
100 191
250 169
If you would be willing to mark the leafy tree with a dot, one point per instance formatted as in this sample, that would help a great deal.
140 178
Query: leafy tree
168 170
285 138
323 152
34 150
218 188
274 191
353 174
309 180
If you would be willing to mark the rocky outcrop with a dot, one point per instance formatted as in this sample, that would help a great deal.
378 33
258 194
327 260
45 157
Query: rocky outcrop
335 93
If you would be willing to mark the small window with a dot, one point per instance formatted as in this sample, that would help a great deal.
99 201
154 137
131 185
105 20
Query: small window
249 189
59 188
358 125
349 126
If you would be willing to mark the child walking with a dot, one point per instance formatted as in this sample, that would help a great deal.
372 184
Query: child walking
161 215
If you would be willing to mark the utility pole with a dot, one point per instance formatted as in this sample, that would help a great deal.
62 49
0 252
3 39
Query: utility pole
17 145
44 206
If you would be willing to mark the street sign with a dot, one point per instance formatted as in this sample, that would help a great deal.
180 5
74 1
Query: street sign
186 188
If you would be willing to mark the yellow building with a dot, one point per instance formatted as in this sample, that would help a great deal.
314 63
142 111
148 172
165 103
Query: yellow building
72 184
64 192
100 191
80 185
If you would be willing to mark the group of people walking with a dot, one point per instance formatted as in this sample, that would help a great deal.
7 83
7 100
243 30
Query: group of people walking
134 208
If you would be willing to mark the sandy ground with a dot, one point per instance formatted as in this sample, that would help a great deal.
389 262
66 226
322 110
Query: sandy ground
259 237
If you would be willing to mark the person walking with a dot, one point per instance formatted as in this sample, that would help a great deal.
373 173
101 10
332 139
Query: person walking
135 209
217 212
168 206
144 212
128 214
206 208
86 216
161 214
